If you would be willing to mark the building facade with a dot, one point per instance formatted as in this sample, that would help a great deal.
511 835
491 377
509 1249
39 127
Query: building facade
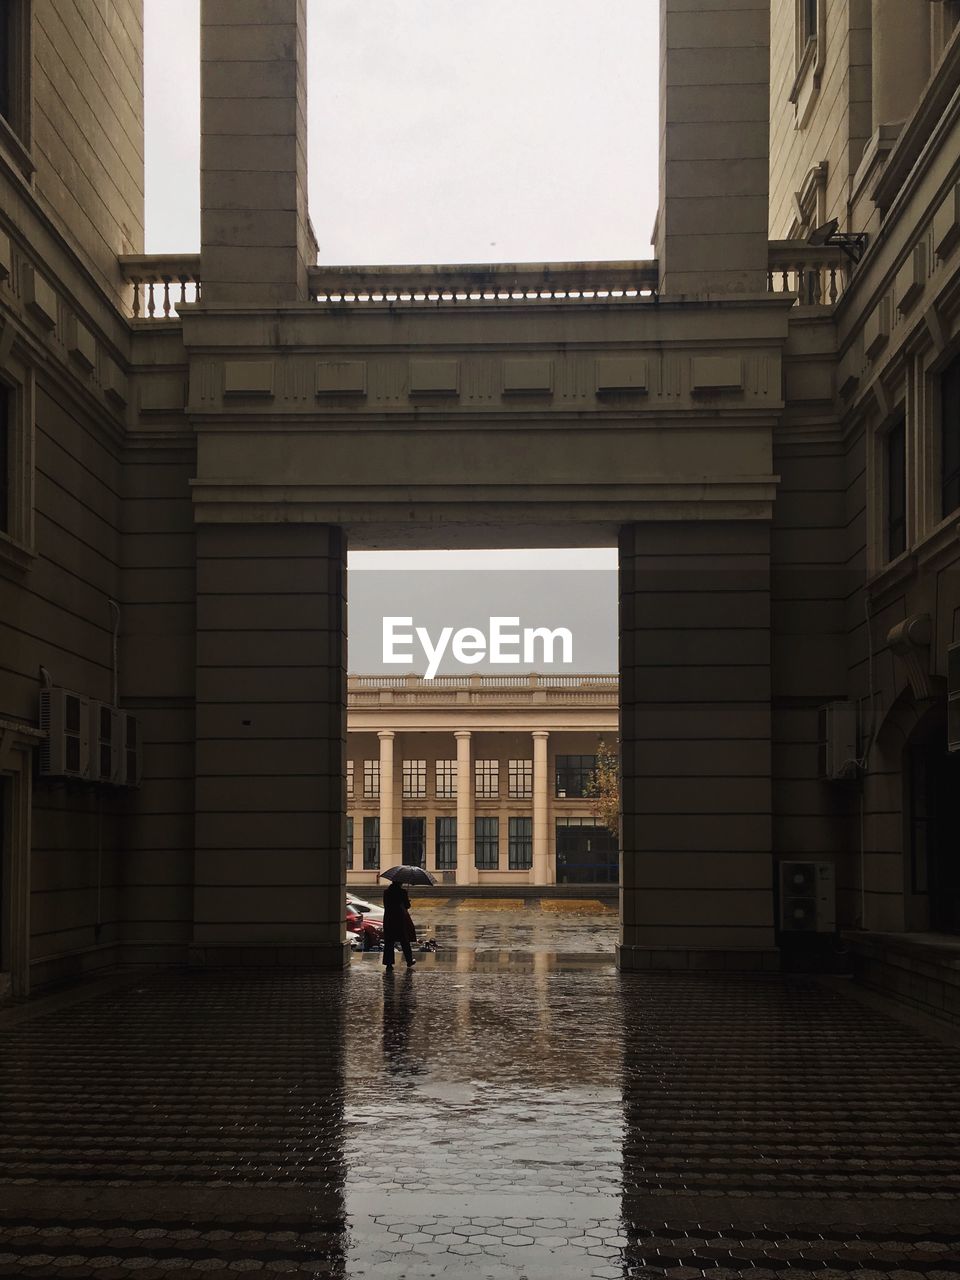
764 419
482 780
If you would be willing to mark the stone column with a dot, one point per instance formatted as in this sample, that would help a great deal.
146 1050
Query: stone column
541 830
711 234
256 239
270 745
695 724
901 58
466 871
389 845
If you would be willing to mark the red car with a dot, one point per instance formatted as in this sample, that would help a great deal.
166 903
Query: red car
370 931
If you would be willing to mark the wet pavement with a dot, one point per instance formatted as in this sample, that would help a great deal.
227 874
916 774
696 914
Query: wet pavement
511 1108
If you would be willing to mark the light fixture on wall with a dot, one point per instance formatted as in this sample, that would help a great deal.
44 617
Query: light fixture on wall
852 243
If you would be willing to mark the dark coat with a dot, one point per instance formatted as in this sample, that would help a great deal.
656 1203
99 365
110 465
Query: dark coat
397 924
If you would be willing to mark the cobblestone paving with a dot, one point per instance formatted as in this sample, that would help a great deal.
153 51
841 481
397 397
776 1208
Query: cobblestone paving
493 1114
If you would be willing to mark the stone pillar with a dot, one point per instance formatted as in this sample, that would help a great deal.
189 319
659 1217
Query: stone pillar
256 239
697 865
389 845
541 830
270 745
901 58
466 871
711 234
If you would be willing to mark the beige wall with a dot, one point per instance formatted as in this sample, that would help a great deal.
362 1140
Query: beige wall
88 126
830 120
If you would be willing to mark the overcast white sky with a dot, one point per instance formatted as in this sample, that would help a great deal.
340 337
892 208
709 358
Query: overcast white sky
442 130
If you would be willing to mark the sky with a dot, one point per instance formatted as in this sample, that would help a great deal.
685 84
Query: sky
443 131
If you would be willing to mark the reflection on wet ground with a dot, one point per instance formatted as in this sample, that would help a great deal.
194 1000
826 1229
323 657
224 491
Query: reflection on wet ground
512 1107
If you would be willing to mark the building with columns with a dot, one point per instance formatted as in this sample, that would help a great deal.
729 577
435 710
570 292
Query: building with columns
764 418
482 779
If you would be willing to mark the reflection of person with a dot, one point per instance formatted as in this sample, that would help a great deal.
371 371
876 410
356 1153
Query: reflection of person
397 924
399 1003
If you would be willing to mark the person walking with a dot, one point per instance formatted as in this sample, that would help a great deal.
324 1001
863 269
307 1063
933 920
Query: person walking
398 925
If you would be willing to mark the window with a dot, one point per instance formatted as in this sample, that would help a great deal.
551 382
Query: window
349 779
414 779
810 18
574 775
16 463
896 446
6 58
446 779
950 438
446 844
520 844
521 779
487 773
15 66
371 844
944 19
487 843
414 841
371 779
349 844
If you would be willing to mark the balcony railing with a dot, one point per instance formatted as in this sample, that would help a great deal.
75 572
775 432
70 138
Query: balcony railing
482 690
818 274
160 283
534 680
490 283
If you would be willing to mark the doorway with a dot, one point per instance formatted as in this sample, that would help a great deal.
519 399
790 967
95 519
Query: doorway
934 782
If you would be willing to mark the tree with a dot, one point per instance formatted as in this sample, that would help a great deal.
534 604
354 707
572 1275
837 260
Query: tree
604 788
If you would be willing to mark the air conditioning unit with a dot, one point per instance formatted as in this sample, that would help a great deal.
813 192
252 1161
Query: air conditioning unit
953 697
837 755
65 719
106 743
132 765
807 897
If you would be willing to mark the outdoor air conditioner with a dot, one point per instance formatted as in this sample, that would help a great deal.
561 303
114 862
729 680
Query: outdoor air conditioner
132 767
106 743
953 697
65 719
837 741
807 897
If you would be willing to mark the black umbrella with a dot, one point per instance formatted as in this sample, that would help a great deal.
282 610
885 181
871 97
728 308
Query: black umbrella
408 875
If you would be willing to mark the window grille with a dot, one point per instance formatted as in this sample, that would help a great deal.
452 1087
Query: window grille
371 779
446 853
414 779
520 779
520 840
446 779
487 774
371 844
487 843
